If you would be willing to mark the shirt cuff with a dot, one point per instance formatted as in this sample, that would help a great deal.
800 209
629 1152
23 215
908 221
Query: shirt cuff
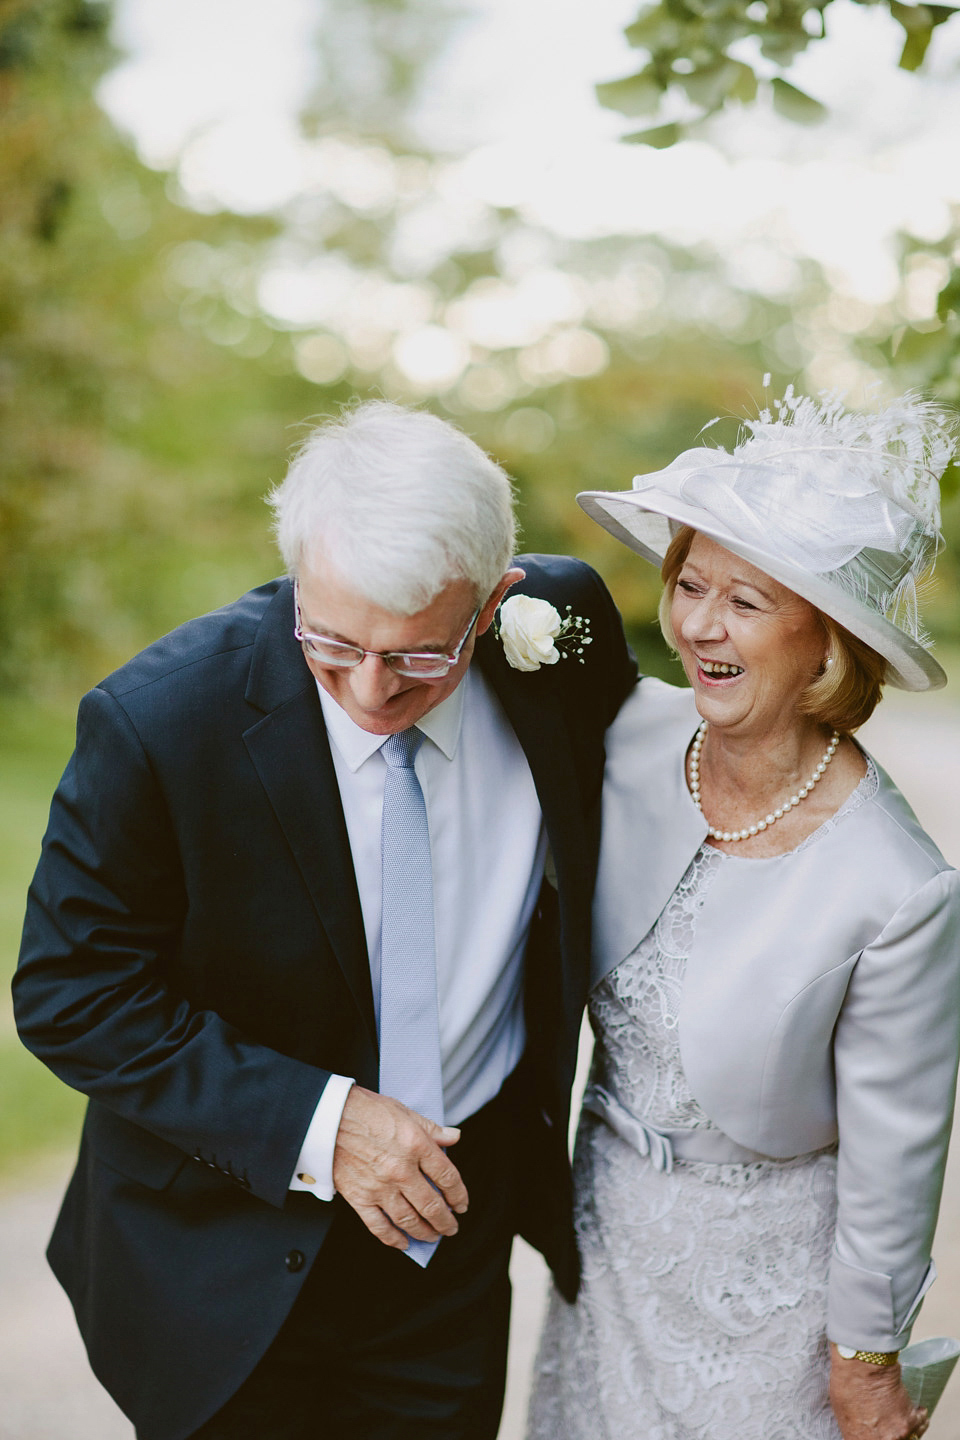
314 1168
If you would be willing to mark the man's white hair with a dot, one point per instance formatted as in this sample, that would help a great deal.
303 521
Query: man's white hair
399 503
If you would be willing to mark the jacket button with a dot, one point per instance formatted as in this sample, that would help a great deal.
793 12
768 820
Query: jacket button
295 1261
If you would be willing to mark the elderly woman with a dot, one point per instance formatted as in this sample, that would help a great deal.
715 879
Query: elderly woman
777 983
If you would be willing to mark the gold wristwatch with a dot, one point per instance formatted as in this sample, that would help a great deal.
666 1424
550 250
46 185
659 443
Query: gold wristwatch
872 1357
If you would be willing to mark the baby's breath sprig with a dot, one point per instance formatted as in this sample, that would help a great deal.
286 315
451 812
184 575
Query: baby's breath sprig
573 636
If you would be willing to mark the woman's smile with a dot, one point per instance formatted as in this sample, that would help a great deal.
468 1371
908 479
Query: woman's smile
714 670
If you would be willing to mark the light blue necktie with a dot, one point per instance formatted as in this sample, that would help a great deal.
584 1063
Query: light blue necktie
409 1019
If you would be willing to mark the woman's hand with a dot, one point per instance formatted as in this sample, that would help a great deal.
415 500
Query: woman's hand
870 1402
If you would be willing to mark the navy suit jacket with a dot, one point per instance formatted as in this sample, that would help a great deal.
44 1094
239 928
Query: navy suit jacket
194 961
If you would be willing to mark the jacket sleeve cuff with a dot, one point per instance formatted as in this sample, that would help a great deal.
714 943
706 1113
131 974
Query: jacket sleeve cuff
860 1310
314 1168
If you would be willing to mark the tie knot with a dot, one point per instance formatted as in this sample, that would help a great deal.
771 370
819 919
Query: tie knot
400 750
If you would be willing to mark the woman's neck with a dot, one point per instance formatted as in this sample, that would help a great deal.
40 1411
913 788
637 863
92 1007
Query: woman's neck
756 769
763 795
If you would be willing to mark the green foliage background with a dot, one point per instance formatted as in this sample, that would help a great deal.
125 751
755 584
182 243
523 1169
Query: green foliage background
148 400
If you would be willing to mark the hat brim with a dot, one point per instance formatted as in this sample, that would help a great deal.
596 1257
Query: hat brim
647 521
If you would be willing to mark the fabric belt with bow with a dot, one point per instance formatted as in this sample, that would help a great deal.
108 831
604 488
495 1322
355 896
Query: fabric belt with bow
663 1147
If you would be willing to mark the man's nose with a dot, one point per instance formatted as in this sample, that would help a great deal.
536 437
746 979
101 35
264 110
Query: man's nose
373 682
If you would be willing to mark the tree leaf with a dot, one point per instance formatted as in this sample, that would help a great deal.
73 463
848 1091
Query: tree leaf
915 49
661 137
638 94
709 85
745 88
795 105
919 22
656 31
948 301
783 46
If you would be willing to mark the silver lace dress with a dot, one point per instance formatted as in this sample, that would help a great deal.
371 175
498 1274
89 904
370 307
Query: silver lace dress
704 1297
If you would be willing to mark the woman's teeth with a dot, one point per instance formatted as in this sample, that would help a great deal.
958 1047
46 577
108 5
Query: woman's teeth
712 667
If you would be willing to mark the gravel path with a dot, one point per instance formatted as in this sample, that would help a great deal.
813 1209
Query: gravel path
47 1391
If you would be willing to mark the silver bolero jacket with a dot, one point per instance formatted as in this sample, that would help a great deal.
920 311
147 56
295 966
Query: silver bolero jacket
821 1000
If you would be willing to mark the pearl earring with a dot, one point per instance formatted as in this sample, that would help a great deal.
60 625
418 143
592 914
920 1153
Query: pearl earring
828 662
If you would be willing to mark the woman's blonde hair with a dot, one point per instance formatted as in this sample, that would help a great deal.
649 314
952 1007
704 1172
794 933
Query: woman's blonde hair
848 690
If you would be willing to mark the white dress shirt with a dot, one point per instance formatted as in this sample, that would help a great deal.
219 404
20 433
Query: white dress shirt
488 846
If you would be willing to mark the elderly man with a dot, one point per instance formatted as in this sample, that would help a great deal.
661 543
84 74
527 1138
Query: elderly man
310 930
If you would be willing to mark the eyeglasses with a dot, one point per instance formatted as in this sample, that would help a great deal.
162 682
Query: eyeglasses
412 664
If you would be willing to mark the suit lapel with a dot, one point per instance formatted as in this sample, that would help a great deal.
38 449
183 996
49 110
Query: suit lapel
291 753
531 707
531 704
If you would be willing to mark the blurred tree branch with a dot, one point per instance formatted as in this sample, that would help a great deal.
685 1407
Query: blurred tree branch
702 56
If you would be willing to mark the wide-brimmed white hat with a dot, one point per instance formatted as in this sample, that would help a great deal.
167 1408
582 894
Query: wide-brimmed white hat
842 508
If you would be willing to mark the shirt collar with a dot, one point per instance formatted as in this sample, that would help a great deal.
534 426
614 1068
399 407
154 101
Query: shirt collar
442 725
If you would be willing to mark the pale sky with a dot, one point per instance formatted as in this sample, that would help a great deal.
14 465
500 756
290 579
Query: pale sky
215 85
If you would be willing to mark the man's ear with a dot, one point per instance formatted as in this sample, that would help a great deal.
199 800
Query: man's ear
485 618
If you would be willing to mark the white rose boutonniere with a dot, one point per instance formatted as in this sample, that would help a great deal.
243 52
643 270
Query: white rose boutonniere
533 633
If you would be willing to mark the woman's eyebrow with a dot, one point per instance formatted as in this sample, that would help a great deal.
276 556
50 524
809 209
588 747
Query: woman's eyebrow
738 582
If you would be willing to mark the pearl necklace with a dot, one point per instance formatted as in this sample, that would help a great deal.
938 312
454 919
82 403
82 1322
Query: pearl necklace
775 815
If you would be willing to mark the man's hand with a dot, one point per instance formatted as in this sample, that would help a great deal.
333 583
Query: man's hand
870 1402
384 1161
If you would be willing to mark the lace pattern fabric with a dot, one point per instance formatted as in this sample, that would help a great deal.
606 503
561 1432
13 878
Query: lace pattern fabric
703 1305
